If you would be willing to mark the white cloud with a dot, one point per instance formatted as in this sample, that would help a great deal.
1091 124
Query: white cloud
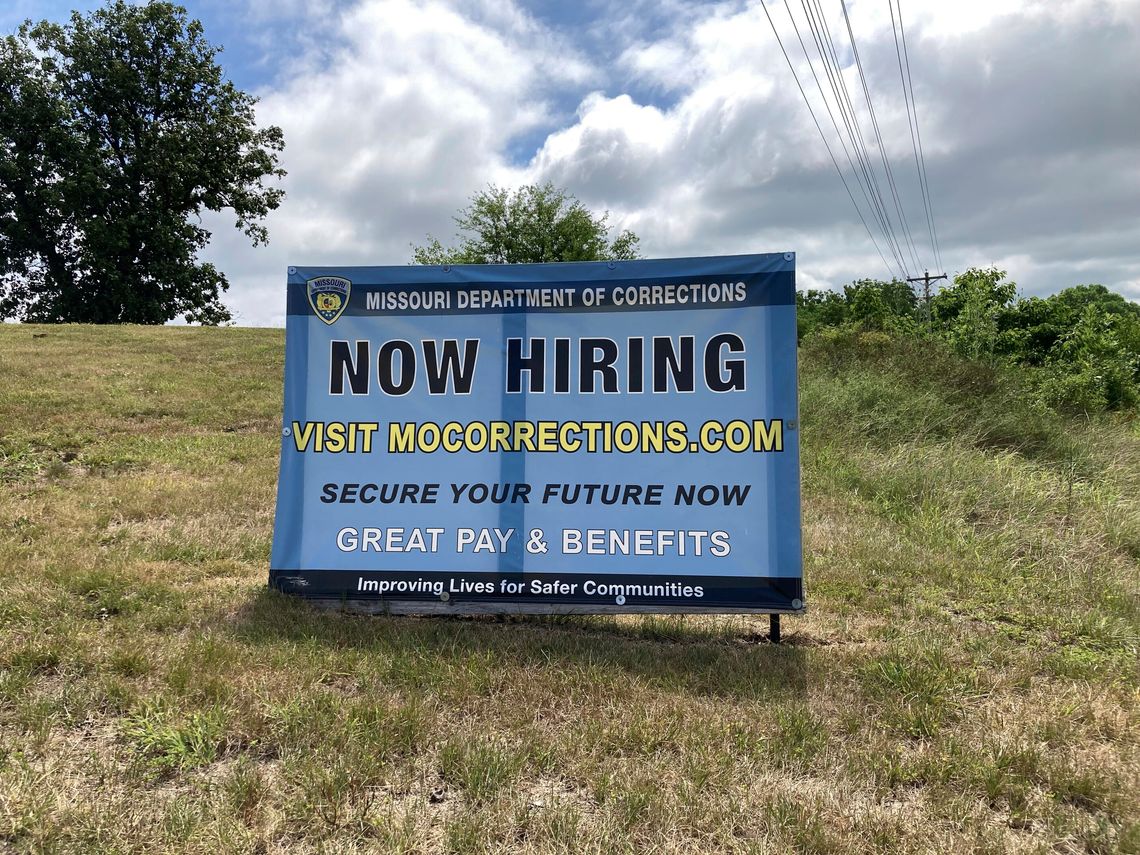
1028 117
388 132
1023 109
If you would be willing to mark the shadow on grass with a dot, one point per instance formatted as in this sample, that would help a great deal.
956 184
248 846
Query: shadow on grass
662 650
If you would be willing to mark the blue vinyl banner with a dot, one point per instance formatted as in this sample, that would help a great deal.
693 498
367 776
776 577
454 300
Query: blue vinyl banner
594 436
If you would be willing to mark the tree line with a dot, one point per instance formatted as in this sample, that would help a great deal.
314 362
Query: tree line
1080 348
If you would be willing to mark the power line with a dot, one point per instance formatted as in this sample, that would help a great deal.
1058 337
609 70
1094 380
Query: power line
823 137
819 22
851 137
874 119
921 153
850 123
912 121
860 177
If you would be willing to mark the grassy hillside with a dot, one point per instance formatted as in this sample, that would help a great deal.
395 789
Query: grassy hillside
965 680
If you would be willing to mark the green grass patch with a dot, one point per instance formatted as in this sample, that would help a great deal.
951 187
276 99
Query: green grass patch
964 680
168 742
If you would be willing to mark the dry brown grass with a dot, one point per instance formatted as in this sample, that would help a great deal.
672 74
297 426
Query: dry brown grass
965 679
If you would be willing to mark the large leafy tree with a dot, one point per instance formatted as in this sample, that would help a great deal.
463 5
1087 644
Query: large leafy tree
969 313
117 130
535 223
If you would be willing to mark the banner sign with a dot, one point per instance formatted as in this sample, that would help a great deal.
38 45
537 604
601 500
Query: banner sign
585 437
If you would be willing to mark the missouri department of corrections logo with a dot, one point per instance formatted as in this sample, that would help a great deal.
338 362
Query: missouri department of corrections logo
328 295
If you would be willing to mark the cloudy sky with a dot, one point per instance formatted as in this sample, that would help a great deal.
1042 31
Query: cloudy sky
683 120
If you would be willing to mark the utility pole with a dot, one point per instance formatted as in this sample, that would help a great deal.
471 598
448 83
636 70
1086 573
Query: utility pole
926 280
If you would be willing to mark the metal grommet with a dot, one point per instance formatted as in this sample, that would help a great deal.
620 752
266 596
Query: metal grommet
797 604
292 270
447 268
285 431
620 599
445 596
789 256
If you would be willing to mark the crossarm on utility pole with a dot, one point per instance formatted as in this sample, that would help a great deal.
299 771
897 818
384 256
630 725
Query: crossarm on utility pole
926 280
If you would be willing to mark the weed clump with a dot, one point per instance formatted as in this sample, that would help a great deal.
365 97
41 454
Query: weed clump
168 742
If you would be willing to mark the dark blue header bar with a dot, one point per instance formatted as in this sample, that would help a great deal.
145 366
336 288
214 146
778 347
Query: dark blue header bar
596 286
